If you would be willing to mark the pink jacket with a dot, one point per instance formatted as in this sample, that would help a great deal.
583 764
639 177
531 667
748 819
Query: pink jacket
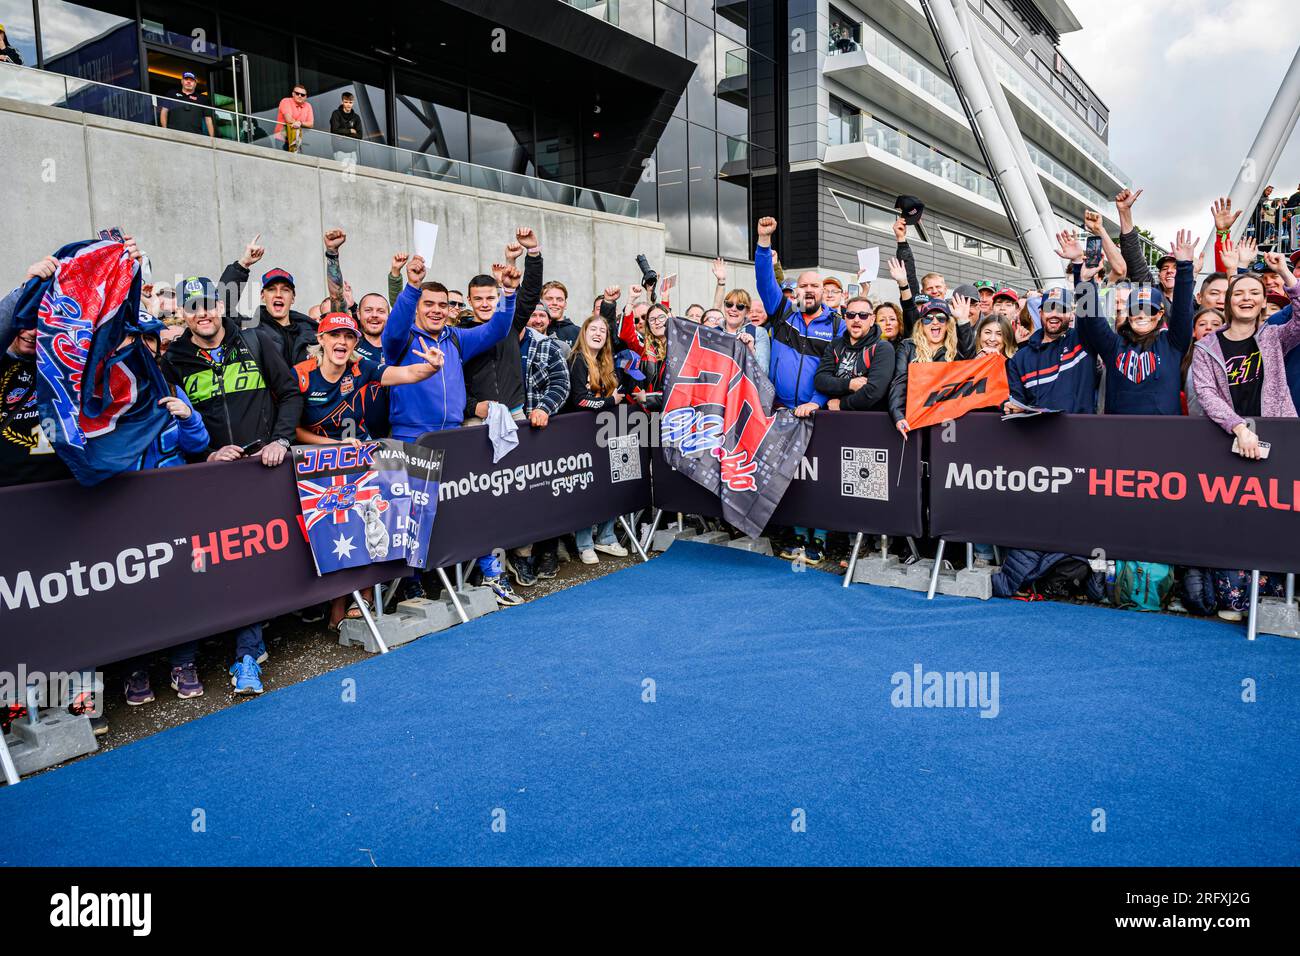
1210 377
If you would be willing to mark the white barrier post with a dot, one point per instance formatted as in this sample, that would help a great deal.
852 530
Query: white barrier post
631 536
1252 621
1290 588
370 621
7 762
455 598
853 560
934 572
654 526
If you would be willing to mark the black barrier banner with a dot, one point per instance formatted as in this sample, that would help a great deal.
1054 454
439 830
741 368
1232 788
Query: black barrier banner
848 480
149 559
1152 488
569 474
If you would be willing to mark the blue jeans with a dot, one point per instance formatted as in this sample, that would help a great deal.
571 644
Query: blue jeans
604 534
809 533
489 566
248 641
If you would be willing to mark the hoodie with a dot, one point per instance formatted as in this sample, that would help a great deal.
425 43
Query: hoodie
1146 379
292 339
797 345
241 399
496 375
870 357
1060 374
437 403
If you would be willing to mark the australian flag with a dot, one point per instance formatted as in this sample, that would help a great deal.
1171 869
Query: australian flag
98 402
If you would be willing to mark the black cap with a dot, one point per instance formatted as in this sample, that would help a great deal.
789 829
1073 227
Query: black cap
911 208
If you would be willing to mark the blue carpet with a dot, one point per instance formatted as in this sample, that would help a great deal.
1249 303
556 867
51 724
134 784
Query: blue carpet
773 694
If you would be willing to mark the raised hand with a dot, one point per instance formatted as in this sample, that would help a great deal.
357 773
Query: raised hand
399 260
513 251
1092 222
1247 250
720 269
1125 200
900 230
42 268
1068 245
525 237
415 270
1224 217
253 252
132 249
498 271
348 299
612 292
637 292
960 308
898 271
766 226
510 277
433 355
1184 248
333 239
1231 256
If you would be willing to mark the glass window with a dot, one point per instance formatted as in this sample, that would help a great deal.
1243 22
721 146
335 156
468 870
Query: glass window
179 26
700 101
557 149
762 101
673 203
845 123
670 30
328 74
646 192
843 32
100 45
733 198
20 29
431 117
733 88
270 67
701 10
703 176
859 212
501 135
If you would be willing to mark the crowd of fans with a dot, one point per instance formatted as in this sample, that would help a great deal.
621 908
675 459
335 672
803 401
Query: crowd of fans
422 357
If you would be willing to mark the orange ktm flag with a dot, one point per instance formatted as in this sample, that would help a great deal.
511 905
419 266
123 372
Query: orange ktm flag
940 391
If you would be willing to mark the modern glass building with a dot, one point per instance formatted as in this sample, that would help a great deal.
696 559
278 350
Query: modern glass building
702 114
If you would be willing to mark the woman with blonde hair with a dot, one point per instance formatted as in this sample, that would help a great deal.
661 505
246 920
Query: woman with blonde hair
735 321
994 334
943 333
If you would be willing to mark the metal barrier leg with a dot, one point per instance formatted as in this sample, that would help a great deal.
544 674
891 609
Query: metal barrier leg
460 577
1252 622
681 521
7 762
455 598
911 543
654 526
934 572
370 622
379 601
853 559
1290 588
970 554
884 547
631 535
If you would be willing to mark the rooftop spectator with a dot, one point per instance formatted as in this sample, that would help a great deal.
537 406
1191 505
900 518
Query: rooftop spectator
292 117
187 109
345 126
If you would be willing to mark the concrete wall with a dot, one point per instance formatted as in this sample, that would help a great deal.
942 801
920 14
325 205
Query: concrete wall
194 203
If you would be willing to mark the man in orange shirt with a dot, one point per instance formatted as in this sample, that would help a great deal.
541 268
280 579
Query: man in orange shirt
294 116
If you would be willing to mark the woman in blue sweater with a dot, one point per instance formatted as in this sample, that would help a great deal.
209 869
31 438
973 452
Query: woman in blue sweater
1144 358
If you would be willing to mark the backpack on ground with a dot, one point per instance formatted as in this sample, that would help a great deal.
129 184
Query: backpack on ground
1142 585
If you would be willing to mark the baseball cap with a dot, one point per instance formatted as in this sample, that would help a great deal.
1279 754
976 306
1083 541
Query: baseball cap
1057 300
338 322
967 291
936 305
144 324
982 284
911 209
1278 299
831 280
187 75
1165 258
197 291
921 300
1006 292
277 275
1295 257
1145 298
788 285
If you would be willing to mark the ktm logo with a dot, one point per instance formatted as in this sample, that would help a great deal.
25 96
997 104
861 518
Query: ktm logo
956 390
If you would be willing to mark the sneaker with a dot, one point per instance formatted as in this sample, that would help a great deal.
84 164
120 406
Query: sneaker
614 548
186 683
548 565
521 569
138 690
500 586
8 714
812 553
412 588
246 676
982 563
1230 615
794 551
588 556
311 615
99 726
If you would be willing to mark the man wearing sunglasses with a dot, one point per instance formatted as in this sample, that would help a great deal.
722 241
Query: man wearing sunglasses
294 116
858 367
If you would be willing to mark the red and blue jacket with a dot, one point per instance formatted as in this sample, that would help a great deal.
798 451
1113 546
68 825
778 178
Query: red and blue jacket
1060 374
797 346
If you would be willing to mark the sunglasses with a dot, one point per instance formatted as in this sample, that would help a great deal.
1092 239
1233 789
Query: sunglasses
296 93
933 318
456 305
733 305
858 315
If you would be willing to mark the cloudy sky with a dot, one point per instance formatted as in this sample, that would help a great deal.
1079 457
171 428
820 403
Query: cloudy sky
1188 83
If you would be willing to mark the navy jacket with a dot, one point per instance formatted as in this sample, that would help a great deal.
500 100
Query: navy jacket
1060 375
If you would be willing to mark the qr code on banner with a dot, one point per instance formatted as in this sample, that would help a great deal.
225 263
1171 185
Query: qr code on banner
864 473
624 459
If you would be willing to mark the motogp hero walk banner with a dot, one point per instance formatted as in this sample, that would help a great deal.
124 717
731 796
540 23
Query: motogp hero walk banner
370 502
1155 488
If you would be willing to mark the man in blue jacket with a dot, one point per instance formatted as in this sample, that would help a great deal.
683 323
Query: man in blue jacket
1053 369
802 330
419 320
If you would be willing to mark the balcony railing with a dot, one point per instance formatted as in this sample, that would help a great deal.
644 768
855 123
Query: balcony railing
29 85
1063 175
909 67
606 10
1058 118
735 63
884 137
